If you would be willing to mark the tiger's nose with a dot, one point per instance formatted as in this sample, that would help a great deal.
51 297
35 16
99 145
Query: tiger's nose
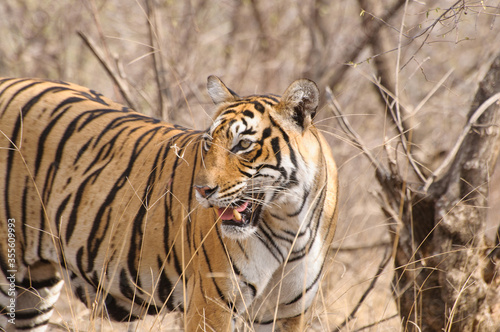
205 191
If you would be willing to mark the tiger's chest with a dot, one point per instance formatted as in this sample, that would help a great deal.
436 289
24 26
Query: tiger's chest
279 276
277 259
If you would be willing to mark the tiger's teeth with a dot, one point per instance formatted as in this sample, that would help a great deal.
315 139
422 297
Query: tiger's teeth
237 215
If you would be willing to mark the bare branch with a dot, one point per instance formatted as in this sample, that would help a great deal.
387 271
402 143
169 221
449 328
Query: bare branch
117 79
335 76
451 213
397 119
361 247
352 135
159 69
385 260
376 323
460 141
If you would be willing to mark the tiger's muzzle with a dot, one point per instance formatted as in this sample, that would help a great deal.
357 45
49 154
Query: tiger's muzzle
240 213
243 214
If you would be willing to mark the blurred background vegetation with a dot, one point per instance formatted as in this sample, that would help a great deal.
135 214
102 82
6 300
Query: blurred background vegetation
430 54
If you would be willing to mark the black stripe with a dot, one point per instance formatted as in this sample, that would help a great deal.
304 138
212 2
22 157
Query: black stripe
79 265
52 171
276 236
243 251
95 239
132 122
32 326
293 176
248 175
61 208
68 101
313 225
230 259
116 312
275 145
32 313
93 96
168 212
37 284
138 223
274 98
299 210
73 217
227 112
177 263
237 271
315 281
248 113
181 141
272 244
82 151
17 92
81 294
165 287
201 288
219 292
258 106
292 233
106 151
72 128
24 213
12 153
124 284
267 322
194 150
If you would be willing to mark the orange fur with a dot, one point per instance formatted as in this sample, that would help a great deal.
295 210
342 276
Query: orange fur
130 206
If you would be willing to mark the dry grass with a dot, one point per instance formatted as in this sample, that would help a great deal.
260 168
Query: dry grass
261 46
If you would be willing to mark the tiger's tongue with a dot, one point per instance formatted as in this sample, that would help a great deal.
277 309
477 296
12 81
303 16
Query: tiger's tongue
227 213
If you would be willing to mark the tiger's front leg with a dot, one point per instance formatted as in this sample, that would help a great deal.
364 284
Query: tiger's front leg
206 311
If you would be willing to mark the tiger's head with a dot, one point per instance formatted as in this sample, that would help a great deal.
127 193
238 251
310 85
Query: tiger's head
258 154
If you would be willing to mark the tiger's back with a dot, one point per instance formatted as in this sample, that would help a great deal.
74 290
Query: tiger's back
112 198
81 177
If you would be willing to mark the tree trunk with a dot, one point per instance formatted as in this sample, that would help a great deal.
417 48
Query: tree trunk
447 274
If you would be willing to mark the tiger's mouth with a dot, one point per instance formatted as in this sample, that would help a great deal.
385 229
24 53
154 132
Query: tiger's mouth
244 214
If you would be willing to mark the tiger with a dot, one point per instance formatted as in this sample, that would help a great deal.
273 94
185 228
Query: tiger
141 217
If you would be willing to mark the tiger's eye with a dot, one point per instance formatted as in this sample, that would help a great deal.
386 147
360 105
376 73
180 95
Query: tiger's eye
245 144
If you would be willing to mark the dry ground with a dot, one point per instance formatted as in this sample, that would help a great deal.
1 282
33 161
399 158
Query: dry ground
261 46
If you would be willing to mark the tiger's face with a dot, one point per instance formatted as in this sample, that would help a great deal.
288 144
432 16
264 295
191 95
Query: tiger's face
249 164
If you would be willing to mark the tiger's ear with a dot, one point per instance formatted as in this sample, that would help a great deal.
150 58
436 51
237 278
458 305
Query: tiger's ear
300 102
218 91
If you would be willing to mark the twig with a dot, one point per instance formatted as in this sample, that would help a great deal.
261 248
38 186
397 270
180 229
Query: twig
385 260
429 29
352 135
361 247
397 120
376 323
157 63
122 86
336 76
333 77
452 154
383 68
432 92
377 44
